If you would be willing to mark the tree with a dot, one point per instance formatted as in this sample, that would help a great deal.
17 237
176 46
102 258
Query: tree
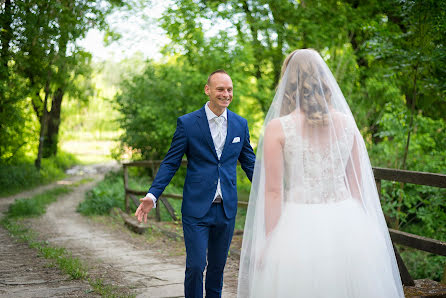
40 47
151 102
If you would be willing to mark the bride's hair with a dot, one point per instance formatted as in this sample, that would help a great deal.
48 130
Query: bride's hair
307 77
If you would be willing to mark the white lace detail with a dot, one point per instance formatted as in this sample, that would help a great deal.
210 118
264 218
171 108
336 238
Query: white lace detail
321 169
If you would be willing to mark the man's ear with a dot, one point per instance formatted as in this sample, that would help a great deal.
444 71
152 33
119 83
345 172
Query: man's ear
206 89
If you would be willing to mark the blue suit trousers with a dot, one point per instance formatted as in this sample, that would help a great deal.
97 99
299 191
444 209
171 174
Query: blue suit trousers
208 236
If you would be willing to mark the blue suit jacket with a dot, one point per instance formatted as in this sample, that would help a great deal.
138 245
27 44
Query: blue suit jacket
193 138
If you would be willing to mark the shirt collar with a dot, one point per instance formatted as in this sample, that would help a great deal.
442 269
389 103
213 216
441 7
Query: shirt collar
210 115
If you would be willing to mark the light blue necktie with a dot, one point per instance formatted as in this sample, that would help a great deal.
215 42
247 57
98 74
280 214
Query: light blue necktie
219 140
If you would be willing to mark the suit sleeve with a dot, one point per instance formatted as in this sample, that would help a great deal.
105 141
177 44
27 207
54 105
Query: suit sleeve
171 162
247 157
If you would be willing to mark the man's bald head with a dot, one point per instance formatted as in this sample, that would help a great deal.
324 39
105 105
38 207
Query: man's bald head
215 72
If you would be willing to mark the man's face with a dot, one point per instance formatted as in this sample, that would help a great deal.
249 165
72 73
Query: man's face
219 91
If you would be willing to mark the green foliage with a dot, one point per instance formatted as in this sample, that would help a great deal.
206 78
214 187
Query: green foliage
40 62
107 194
22 174
420 210
423 265
19 135
413 205
35 206
411 44
428 141
150 104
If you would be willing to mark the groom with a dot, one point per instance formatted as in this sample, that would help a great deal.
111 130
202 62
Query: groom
213 139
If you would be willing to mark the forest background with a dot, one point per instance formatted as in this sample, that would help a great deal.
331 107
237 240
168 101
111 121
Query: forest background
58 107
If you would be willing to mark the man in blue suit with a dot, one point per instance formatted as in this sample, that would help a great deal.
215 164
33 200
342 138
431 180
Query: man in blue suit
213 139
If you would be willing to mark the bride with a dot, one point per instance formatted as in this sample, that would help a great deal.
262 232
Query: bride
314 226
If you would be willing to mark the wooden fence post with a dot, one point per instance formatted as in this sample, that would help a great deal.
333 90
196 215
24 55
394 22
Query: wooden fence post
378 187
158 211
126 183
406 278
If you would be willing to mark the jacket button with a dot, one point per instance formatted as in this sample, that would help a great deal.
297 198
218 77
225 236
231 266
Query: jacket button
219 165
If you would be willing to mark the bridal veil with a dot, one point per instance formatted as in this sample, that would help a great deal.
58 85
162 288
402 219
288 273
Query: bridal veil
311 155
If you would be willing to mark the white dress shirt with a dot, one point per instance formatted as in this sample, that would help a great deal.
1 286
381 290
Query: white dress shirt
219 141
218 134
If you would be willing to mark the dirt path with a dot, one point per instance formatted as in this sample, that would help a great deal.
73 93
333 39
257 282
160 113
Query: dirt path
148 268
23 273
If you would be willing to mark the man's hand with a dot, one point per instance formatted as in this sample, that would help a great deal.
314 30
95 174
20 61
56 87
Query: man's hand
143 209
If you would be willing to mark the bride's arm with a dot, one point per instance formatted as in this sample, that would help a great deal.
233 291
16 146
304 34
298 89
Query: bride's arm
353 171
273 159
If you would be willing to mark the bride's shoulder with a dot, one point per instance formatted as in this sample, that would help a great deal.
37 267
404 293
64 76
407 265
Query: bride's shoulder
343 119
274 129
274 125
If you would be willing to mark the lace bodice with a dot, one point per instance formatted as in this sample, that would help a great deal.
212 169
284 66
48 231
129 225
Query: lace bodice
315 172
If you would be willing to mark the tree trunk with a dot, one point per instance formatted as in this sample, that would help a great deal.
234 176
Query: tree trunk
53 122
43 121
5 36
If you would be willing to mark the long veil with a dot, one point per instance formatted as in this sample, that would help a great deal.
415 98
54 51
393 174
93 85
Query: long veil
321 159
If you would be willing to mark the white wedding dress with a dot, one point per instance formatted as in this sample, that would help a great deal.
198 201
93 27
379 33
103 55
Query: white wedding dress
325 247
314 225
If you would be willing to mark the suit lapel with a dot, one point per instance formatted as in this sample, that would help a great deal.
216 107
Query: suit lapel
203 123
229 134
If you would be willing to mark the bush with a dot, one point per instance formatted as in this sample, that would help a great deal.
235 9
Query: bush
107 194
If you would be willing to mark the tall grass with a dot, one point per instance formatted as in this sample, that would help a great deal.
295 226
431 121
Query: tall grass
107 194
23 175
37 205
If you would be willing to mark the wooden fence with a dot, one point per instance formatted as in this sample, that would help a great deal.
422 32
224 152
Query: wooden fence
153 165
410 240
407 239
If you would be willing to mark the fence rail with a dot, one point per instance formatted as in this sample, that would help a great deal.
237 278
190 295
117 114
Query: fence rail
410 240
407 239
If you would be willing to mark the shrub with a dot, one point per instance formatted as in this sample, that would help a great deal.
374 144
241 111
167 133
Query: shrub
107 194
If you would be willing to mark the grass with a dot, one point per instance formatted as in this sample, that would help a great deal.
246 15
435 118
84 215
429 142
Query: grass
105 290
107 194
59 256
23 175
37 205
